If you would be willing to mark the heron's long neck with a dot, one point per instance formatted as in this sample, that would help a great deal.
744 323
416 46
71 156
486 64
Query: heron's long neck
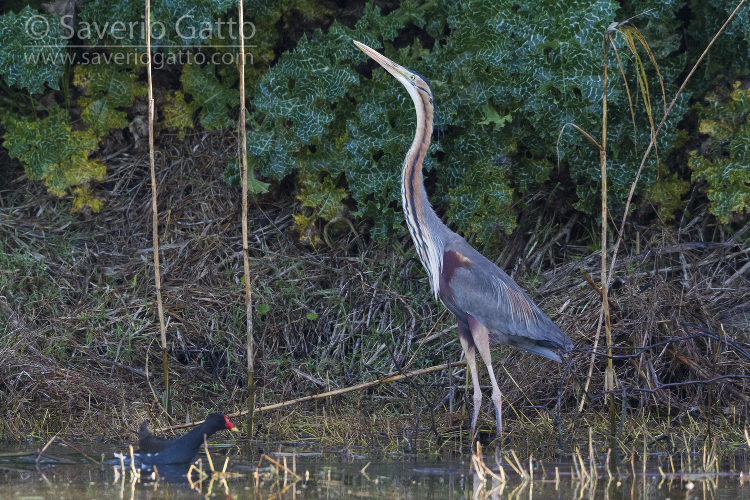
424 224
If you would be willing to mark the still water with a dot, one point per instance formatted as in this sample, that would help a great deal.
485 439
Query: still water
67 475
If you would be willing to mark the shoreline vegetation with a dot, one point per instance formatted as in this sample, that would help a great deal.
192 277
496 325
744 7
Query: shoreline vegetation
79 330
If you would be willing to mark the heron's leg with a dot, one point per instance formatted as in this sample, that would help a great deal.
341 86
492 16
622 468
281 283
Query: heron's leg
481 337
464 335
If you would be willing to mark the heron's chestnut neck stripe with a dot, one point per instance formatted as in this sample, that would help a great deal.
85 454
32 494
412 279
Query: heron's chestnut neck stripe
413 196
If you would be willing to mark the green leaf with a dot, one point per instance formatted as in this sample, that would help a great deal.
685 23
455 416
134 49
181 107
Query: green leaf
262 309
178 114
32 50
215 97
83 198
233 176
320 199
491 116
312 316
107 88
323 197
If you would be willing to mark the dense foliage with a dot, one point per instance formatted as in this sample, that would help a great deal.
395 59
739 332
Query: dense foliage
508 79
725 159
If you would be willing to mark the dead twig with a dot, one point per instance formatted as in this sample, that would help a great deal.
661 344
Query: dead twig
389 378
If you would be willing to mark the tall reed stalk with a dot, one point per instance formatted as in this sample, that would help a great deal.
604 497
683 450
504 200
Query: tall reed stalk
155 216
248 291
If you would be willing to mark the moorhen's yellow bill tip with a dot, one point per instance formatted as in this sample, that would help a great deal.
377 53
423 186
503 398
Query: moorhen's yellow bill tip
230 425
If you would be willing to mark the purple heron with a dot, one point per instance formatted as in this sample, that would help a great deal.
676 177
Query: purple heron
489 306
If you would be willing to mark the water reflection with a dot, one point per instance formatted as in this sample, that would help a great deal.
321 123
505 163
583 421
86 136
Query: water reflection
639 487
324 476
712 486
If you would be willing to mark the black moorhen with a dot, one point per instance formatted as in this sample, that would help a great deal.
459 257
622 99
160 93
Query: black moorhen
155 450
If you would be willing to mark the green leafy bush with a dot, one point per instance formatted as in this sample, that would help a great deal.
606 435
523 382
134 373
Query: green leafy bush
305 114
507 77
732 48
177 23
724 160
52 152
506 80
33 54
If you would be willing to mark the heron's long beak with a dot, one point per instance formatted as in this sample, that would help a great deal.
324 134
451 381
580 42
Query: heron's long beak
391 67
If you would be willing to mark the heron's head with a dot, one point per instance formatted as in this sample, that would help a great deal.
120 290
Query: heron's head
413 81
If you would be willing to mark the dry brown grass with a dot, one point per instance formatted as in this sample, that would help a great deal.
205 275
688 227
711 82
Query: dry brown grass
76 293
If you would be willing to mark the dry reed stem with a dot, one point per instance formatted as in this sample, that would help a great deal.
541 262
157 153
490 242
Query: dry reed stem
609 470
521 470
135 472
480 467
581 465
155 212
277 464
516 468
39 455
390 378
592 457
208 455
245 259
609 373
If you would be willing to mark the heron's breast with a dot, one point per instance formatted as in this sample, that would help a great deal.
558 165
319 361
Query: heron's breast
452 261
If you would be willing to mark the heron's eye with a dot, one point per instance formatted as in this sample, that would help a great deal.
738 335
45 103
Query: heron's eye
412 77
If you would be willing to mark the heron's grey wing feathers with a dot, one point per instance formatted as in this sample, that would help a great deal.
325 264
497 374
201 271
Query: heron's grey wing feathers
481 289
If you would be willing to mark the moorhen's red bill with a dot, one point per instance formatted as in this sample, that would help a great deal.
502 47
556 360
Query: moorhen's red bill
154 450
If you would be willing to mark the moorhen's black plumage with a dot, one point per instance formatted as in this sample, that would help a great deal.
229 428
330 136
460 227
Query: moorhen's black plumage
148 443
154 450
